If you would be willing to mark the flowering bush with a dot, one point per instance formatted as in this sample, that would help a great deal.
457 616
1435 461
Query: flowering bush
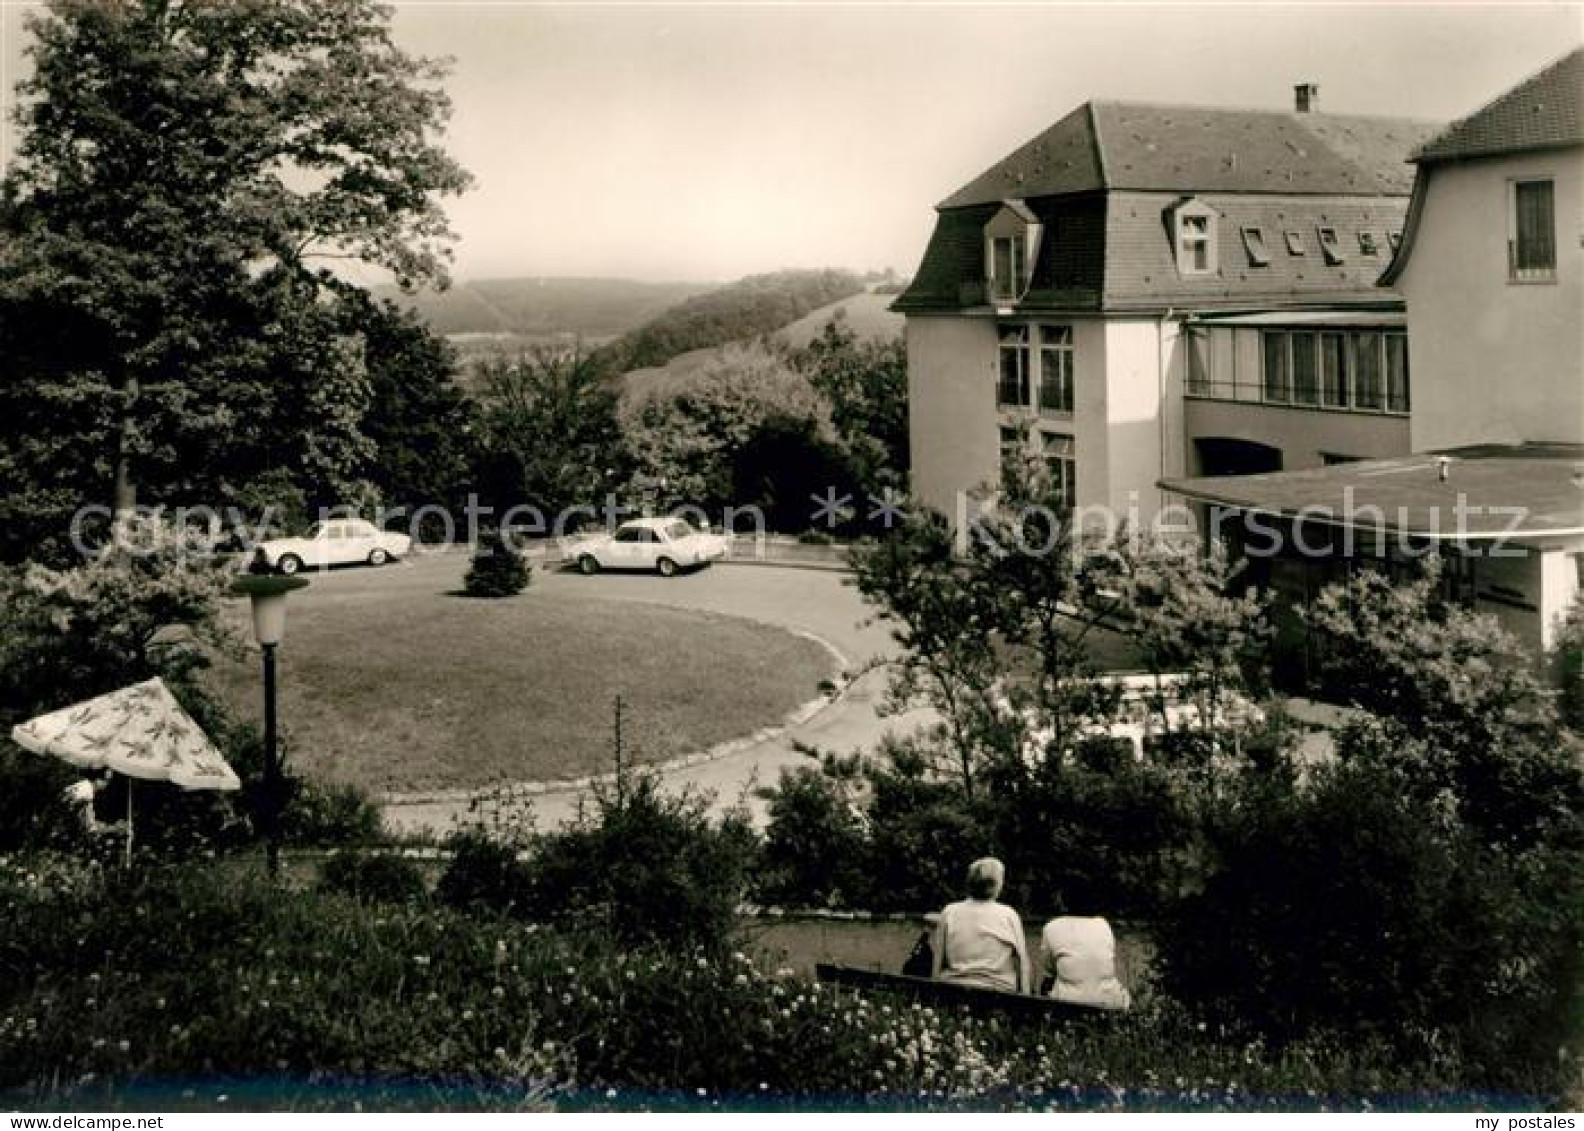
216 981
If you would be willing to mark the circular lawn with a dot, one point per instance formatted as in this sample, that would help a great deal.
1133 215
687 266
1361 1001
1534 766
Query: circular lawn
406 691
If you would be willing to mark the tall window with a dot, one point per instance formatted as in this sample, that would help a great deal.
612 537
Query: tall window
1061 462
1197 343
1056 369
1333 370
1368 387
1012 391
1366 370
1007 266
1305 370
1278 385
1531 241
1396 373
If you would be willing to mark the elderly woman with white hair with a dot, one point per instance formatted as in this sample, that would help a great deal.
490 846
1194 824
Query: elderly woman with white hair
979 941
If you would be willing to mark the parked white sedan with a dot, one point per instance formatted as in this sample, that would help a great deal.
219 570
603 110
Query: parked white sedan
662 544
340 541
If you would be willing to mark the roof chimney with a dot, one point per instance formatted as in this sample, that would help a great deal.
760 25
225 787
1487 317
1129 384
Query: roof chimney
1306 97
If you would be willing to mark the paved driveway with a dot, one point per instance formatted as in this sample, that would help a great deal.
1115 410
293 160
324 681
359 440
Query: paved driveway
814 601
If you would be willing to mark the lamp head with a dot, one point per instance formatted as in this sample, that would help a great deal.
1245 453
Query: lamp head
268 595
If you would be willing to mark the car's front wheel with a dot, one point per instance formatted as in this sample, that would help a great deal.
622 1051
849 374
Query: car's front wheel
667 567
289 564
378 557
588 565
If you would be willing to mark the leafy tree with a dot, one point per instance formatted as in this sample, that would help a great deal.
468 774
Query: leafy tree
120 618
550 434
422 429
994 628
1457 698
866 385
1194 629
744 428
1340 901
184 176
1568 661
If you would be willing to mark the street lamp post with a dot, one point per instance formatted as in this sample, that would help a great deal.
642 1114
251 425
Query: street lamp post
268 596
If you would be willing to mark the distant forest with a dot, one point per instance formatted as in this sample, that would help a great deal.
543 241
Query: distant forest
596 309
741 311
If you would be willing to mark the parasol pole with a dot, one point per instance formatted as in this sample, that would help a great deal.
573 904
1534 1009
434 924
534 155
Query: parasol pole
127 855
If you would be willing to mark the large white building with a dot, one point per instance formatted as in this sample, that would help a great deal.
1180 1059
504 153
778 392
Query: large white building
1491 264
1145 292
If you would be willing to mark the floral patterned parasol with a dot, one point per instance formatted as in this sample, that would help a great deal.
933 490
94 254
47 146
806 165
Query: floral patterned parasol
140 731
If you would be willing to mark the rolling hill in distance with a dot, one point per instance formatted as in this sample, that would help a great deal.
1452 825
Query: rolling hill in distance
545 308
629 326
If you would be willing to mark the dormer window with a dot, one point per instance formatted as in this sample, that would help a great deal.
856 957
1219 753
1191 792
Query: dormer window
1295 244
1330 246
1367 245
1194 228
1008 266
1254 244
1011 242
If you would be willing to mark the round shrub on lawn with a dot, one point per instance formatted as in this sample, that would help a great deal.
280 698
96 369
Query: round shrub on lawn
498 569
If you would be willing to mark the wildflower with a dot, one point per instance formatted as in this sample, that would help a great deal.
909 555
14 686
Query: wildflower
467 1015
740 980
420 960
498 991
124 1045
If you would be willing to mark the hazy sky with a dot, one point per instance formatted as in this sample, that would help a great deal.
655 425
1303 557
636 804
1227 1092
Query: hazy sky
665 141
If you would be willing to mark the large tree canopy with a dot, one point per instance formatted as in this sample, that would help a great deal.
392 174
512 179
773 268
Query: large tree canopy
187 176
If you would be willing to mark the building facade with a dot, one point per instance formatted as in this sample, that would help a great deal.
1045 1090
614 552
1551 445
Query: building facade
1492 268
1143 292
1491 265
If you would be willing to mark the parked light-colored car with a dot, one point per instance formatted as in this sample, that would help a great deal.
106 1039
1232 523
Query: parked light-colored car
662 544
337 541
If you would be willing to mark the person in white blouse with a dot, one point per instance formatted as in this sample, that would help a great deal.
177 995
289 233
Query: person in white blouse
1078 962
979 941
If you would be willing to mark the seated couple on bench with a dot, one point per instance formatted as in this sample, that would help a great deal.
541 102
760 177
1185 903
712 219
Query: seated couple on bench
979 942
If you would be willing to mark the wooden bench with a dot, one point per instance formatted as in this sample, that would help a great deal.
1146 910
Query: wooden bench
950 993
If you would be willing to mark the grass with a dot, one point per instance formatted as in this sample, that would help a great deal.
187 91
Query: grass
412 690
